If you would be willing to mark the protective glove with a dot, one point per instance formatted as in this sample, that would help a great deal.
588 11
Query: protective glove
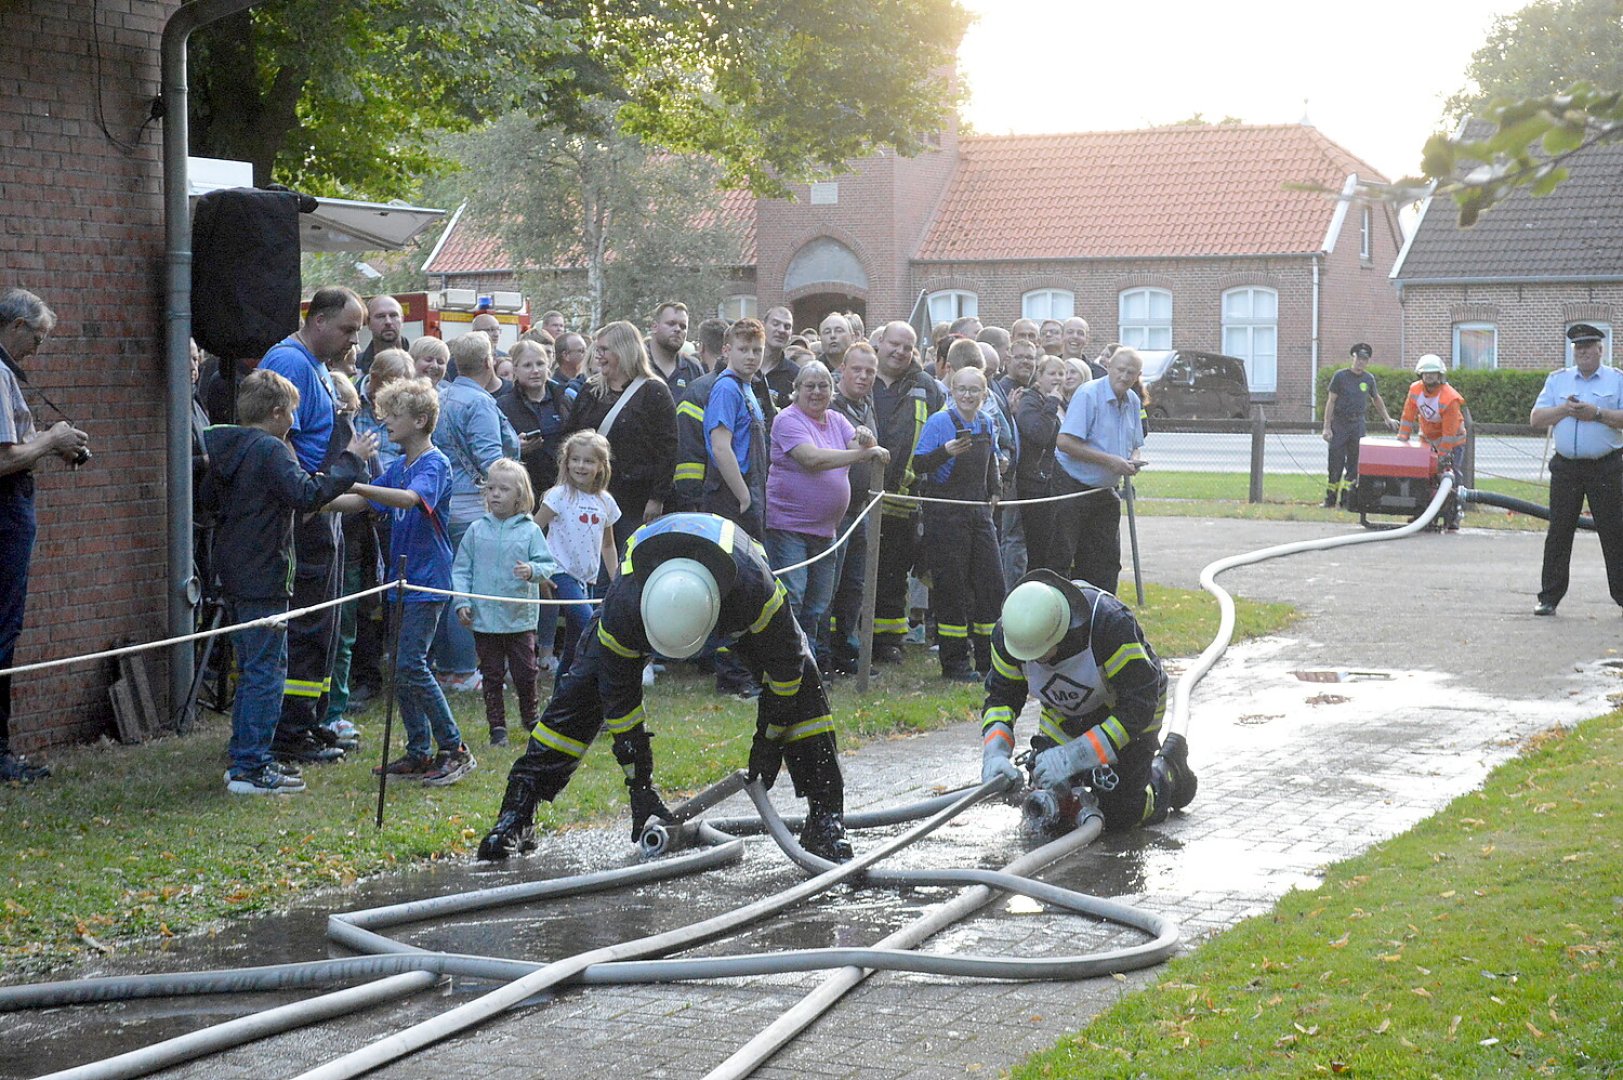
997 744
766 758
1058 764
645 804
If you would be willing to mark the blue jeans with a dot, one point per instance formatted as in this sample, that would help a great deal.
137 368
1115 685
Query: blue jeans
811 588
454 653
423 709
576 616
261 668
16 549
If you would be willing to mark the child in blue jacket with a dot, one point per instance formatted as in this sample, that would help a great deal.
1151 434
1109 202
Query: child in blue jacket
504 554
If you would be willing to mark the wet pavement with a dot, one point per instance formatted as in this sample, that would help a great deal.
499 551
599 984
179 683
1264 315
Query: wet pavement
1294 775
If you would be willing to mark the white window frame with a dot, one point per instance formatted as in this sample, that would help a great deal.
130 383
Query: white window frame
1040 304
1605 346
1261 365
1364 234
1146 330
738 306
949 305
1456 360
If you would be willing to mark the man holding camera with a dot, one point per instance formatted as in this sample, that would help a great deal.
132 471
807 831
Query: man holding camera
1584 406
25 323
1097 446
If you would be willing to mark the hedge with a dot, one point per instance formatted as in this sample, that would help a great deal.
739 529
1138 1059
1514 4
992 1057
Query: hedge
1493 397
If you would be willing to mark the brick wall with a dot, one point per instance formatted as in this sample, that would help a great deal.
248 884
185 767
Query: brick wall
83 228
1531 318
1359 300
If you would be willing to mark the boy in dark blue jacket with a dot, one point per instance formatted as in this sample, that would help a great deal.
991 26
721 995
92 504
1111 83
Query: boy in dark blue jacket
256 485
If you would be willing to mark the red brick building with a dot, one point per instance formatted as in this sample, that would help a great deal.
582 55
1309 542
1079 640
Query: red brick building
1182 236
1503 292
81 199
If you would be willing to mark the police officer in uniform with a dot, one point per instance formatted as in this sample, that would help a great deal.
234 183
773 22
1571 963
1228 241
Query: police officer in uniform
1103 695
685 576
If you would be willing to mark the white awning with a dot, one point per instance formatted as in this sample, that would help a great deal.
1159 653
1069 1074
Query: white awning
337 224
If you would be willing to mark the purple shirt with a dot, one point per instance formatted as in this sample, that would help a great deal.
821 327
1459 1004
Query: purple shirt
800 499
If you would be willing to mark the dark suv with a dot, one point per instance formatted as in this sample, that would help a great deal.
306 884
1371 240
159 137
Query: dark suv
1195 385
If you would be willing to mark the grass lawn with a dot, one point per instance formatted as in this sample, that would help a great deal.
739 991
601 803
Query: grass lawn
1482 943
127 844
1301 498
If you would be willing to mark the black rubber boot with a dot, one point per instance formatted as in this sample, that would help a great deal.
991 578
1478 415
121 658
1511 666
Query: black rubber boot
514 831
1170 776
823 835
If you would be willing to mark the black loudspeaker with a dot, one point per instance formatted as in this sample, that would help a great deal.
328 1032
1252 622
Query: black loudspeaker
245 270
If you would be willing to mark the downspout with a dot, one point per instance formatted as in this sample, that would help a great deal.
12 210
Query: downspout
1313 362
182 586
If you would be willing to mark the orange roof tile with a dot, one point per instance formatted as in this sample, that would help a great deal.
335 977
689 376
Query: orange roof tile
468 250
1207 190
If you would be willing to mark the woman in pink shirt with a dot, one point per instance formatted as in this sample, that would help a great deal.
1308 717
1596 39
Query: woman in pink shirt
813 447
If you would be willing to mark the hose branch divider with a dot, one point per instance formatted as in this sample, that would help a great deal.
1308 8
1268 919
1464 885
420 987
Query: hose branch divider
398 969
1225 630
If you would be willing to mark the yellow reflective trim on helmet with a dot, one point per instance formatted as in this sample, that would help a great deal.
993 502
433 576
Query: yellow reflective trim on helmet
621 725
770 608
1004 668
817 725
787 688
613 644
1124 656
725 539
552 740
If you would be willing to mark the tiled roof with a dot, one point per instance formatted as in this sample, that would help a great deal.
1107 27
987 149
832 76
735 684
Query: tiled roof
1204 190
468 249
1576 230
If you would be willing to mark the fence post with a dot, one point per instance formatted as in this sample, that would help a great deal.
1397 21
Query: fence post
1259 433
1469 465
870 583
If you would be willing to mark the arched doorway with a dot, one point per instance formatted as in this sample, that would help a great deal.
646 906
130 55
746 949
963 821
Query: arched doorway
810 311
835 273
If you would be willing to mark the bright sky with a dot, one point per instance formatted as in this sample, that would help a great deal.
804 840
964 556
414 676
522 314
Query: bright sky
1374 73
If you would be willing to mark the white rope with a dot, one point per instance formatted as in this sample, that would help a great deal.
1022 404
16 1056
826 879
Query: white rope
534 601
839 541
269 620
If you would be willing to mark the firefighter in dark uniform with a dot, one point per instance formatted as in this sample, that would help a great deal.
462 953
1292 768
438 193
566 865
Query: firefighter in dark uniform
957 457
687 486
1103 694
904 397
1345 405
685 576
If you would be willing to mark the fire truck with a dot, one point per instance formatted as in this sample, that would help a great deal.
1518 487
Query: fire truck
448 313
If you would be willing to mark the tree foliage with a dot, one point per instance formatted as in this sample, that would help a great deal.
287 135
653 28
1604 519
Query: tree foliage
639 223
1548 80
345 97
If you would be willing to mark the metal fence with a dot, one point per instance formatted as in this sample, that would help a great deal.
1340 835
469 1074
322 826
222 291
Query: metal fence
1260 448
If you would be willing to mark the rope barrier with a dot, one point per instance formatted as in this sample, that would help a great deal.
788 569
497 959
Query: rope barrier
282 619
269 620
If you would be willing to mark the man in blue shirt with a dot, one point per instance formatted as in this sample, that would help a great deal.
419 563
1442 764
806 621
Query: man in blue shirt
735 433
1584 406
332 325
1097 446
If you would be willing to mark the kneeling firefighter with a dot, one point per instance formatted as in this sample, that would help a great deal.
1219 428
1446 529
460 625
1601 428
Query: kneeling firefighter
1103 695
685 579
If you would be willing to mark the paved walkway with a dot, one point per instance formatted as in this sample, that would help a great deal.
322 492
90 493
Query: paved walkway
1293 775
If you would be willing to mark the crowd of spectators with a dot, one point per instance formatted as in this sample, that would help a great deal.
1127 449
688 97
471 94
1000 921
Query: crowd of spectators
554 449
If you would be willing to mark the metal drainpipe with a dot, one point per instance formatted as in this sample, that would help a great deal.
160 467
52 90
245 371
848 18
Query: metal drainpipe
178 327
1313 363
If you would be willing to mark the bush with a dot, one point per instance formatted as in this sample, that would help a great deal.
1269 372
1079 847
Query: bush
1493 397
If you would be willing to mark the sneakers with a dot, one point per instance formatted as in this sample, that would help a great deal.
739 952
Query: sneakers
16 769
548 664
963 675
916 635
340 733
1170 772
266 780
406 767
462 684
498 736
450 766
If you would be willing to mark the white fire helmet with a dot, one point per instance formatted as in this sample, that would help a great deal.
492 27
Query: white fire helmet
1035 618
680 605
